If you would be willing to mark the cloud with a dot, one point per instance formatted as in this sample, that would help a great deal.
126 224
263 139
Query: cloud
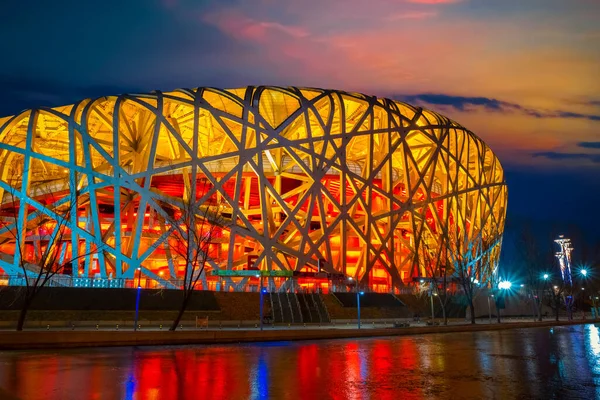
241 26
462 103
589 145
559 156
434 1
416 15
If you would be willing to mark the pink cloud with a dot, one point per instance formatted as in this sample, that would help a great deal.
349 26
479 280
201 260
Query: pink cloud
417 15
240 26
434 1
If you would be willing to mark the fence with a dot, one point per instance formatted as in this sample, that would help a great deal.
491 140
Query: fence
118 283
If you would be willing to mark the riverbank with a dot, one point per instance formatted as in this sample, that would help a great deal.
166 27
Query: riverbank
30 340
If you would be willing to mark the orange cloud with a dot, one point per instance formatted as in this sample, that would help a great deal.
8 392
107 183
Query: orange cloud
451 55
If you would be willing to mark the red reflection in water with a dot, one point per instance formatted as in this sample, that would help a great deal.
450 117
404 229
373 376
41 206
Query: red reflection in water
308 370
382 370
343 369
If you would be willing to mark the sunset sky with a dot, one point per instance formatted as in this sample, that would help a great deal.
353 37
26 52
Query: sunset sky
522 74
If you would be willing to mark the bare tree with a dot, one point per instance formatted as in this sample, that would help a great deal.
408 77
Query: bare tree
556 293
434 264
37 222
193 228
536 263
471 259
496 292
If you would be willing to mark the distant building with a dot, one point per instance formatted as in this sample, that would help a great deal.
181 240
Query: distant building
321 184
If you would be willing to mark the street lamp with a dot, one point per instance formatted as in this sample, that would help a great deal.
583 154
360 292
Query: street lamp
490 309
546 276
584 273
432 313
262 292
358 294
137 299
503 285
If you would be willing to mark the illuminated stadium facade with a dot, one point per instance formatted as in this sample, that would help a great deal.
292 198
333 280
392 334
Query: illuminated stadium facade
320 184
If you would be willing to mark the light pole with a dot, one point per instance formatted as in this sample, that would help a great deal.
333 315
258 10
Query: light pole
582 305
545 276
490 308
358 294
137 299
584 273
503 285
432 313
262 291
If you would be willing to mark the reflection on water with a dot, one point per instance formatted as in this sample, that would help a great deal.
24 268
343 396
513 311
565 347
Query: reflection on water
528 363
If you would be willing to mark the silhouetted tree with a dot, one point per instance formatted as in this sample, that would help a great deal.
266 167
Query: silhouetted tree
193 228
471 260
536 260
438 282
37 223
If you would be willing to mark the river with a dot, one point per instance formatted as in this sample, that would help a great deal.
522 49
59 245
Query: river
562 362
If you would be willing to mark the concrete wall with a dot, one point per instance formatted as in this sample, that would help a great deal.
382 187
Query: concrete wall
69 298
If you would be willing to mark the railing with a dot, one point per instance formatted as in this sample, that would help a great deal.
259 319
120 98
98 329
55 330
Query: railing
60 280
67 281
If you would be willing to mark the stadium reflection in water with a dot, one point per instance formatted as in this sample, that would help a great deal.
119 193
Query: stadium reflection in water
559 362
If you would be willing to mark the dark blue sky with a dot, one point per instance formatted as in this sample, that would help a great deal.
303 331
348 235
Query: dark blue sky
522 75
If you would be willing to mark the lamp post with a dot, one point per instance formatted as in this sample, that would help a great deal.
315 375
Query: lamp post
262 291
503 286
584 274
137 299
545 276
583 306
490 308
432 313
358 294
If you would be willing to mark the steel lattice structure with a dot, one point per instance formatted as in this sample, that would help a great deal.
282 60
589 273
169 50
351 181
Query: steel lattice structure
305 176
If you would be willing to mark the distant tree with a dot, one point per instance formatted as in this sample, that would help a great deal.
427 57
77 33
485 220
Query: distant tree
471 259
193 227
589 259
557 294
536 261
495 291
37 223
438 281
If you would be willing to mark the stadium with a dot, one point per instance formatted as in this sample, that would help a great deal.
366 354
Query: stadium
289 187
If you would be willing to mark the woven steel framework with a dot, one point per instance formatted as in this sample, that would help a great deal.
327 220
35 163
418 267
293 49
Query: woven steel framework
351 182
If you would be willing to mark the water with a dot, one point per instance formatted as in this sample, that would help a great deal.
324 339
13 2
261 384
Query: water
562 362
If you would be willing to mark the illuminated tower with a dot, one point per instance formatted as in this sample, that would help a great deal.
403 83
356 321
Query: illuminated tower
564 258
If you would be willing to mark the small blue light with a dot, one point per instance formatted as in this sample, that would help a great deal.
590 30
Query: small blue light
361 293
